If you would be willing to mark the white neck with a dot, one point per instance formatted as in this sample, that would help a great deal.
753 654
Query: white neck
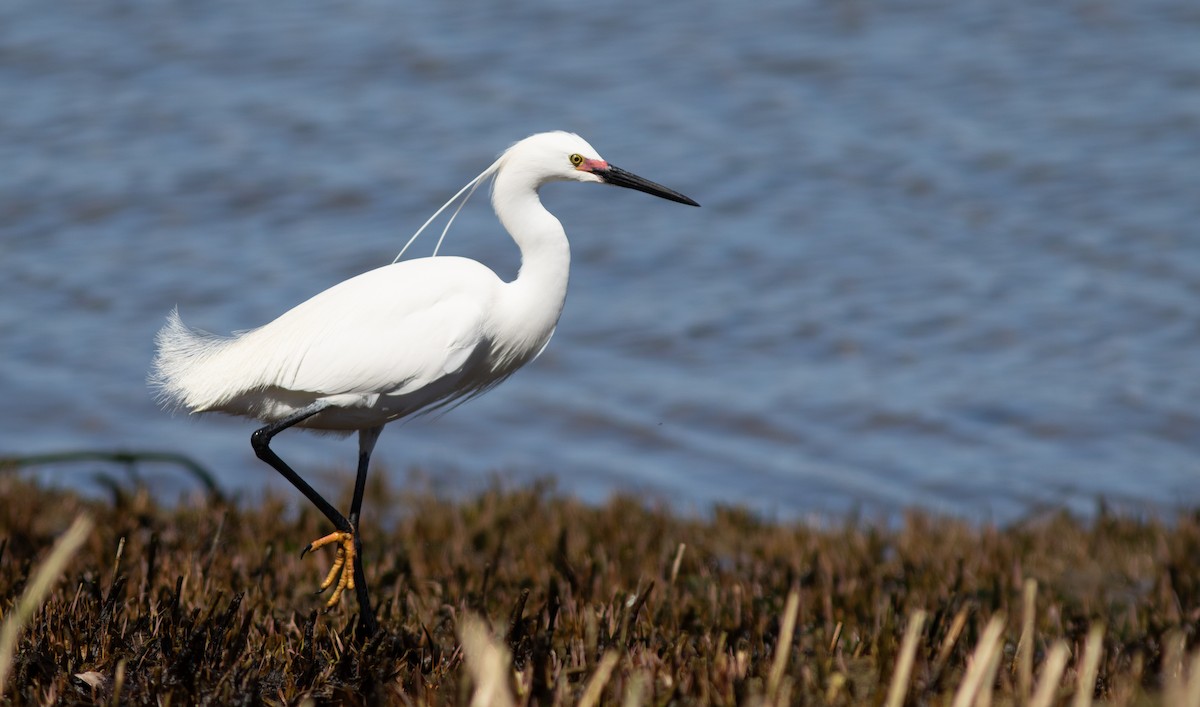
532 302
545 252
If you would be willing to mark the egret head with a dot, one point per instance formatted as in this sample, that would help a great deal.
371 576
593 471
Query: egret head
541 158
563 156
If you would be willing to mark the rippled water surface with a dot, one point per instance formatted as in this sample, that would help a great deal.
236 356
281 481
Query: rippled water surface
948 254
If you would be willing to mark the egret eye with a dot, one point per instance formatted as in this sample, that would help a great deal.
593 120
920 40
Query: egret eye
576 159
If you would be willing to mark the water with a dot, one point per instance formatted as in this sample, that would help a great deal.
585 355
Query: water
947 256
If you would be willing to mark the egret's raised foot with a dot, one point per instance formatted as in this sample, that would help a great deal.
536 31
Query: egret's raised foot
341 575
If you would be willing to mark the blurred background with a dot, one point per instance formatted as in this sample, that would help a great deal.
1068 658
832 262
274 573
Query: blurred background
947 256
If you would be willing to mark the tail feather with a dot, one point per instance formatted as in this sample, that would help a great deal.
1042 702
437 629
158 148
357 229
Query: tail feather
186 369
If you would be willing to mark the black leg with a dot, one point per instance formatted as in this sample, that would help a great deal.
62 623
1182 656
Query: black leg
366 443
261 441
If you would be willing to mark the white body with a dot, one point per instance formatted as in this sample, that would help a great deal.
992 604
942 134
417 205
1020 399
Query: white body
399 339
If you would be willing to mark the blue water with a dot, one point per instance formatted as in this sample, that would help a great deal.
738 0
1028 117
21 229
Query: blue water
948 255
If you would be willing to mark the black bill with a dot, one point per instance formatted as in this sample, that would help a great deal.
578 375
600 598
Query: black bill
619 177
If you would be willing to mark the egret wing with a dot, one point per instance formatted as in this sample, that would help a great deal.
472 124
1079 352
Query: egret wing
390 331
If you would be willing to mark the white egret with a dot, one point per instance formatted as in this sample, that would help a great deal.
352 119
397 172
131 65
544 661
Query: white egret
407 337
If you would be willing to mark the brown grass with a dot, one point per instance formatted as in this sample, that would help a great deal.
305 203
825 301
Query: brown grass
619 604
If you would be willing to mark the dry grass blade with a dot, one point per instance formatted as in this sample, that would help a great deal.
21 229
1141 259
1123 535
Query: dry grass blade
1191 697
1025 648
837 637
987 685
783 649
1091 662
635 693
118 683
956 627
1174 681
91 678
675 565
49 571
488 663
1052 670
982 663
595 686
908 651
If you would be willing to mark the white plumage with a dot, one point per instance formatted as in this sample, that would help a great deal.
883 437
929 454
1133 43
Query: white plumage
377 347
406 337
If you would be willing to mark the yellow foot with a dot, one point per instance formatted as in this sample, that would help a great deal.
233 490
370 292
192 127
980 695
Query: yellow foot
341 575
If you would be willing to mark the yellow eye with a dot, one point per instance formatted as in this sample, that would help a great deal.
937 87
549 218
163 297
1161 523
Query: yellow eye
576 159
